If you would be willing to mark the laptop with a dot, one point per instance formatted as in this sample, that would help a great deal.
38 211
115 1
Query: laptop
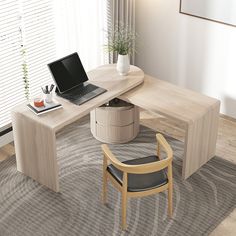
72 80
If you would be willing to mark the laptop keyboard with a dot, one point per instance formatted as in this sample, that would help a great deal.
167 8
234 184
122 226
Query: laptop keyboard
86 89
83 94
80 92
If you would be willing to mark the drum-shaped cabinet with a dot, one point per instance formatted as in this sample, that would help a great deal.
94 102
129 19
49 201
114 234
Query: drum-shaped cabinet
115 122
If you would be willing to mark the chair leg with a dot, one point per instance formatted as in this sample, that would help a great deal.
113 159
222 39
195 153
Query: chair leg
124 209
104 197
170 196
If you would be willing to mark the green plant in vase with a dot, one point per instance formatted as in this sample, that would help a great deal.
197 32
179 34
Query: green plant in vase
121 40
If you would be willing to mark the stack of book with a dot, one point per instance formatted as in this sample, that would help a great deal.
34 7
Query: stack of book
44 109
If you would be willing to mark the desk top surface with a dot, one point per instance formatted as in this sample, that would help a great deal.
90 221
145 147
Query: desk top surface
167 99
154 95
106 77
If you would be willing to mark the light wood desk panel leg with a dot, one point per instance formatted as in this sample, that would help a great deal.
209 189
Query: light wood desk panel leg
35 146
200 141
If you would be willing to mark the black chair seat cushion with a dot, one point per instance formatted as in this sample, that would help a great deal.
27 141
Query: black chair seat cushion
140 182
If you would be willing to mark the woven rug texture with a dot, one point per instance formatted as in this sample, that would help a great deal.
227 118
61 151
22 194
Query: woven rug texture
28 209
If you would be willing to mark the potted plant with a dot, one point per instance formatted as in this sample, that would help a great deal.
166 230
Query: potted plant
121 40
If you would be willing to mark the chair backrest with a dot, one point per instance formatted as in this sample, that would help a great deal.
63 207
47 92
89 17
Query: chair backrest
142 168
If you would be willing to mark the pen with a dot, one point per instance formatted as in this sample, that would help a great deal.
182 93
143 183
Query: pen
51 88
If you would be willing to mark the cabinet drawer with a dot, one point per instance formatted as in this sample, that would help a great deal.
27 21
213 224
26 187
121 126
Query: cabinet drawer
113 134
114 116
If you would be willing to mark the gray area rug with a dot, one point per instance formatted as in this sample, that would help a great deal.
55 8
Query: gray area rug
28 209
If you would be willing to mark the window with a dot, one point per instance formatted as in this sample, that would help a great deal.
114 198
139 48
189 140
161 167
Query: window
34 33
38 32
27 45
10 59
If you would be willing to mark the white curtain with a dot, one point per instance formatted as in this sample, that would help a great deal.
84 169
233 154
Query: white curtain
80 26
120 11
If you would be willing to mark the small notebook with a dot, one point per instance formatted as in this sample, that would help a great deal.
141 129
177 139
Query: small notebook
46 108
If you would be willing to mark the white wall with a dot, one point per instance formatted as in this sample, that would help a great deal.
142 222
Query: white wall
188 51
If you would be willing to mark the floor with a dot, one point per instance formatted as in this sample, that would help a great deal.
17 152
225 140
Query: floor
6 151
226 148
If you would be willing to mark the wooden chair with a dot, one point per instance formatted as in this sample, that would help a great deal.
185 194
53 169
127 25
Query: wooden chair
139 177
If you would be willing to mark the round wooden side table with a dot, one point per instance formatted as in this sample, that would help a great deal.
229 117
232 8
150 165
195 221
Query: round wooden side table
116 122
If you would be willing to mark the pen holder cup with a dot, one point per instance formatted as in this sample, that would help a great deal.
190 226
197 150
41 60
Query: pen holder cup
48 97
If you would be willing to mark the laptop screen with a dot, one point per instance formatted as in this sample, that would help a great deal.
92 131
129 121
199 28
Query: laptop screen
68 72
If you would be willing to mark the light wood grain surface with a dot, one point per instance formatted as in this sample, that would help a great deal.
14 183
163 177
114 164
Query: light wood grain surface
195 113
35 146
35 136
105 77
6 152
115 124
162 124
158 96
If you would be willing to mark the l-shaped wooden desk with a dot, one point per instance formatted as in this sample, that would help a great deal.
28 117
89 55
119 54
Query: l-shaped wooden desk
35 137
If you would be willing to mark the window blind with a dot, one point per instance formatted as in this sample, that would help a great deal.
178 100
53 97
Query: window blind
38 29
27 36
10 59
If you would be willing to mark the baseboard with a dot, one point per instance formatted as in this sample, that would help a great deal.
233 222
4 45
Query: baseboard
227 117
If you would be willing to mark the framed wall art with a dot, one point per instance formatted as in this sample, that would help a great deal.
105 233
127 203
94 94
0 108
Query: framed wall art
220 11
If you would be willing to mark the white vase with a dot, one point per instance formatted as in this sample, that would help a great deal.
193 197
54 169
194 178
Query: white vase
123 64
